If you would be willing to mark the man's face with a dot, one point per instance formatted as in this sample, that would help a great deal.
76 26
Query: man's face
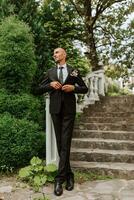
59 55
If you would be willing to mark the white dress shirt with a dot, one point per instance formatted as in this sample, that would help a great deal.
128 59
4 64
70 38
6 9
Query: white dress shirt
64 70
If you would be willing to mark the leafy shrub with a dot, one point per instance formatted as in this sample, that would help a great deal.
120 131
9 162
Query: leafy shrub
115 90
21 106
20 140
37 174
17 59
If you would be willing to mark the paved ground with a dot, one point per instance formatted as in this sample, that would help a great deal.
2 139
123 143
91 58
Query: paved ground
11 189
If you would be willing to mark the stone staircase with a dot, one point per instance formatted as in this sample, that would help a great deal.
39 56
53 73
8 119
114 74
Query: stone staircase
103 139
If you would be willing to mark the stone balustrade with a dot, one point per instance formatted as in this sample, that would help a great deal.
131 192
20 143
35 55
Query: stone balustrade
96 87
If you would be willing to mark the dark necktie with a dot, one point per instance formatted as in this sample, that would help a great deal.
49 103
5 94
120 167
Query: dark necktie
61 75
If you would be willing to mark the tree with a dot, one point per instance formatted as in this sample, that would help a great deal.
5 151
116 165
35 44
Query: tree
102 20
5 9
59 29
21 135
122 50
17 66
53 24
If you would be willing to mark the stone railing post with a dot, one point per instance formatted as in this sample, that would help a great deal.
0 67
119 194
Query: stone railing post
51 148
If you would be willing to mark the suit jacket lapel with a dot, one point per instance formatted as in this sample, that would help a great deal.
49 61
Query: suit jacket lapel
69 69
54 73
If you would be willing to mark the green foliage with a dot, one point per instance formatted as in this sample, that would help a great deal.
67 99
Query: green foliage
99 25
115 71
53 25
21 106
37 174
77 117
107 33
20 140
21 137
79 62
58 29
115 90
17 66
81 177
5 9
6 170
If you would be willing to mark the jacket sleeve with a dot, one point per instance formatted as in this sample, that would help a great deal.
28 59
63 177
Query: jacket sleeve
80 86
44 86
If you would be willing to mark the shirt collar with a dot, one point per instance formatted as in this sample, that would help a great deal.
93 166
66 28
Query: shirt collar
64 66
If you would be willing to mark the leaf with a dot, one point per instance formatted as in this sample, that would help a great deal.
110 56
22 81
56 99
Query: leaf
37 169
25 172
43 179
40 180
50 168
37 180
35 161
50 178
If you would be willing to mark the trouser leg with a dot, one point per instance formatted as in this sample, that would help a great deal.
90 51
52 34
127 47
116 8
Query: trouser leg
57 122
66 137
63 138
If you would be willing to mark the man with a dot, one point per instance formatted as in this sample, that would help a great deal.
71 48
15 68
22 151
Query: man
62 82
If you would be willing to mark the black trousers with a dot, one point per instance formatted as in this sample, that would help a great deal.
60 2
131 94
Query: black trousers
63 124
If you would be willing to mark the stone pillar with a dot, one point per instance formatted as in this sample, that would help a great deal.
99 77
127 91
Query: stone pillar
51 148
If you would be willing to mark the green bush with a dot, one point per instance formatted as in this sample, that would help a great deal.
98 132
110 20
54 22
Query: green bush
20 140
115 90
22 106
17 59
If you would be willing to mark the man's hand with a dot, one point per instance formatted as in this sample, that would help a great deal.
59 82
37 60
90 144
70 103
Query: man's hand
56 85
68 88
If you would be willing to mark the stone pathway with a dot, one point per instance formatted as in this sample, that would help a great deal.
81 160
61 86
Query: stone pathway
117 189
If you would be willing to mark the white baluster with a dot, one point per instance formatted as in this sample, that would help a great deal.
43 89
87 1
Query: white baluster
91 95
96 96
101 85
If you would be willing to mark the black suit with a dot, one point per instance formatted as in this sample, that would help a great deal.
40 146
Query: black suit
63 109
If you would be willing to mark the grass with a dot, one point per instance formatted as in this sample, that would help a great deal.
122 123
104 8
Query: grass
81 177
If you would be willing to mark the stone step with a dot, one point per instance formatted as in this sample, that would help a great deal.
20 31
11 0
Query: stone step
105 119
112 108
116 170
117 135
89 113
104 137
105 126
93 143
121 98
128 99
99 155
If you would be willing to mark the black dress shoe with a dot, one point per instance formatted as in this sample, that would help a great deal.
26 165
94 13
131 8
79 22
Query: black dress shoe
58 190
70 184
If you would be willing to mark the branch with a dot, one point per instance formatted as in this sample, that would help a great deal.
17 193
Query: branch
102 6
77 10
102 45
106 32
87 8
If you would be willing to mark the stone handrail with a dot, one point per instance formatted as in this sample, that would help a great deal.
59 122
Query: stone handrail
96 84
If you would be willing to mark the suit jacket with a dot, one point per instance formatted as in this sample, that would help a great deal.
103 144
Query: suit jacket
59 97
